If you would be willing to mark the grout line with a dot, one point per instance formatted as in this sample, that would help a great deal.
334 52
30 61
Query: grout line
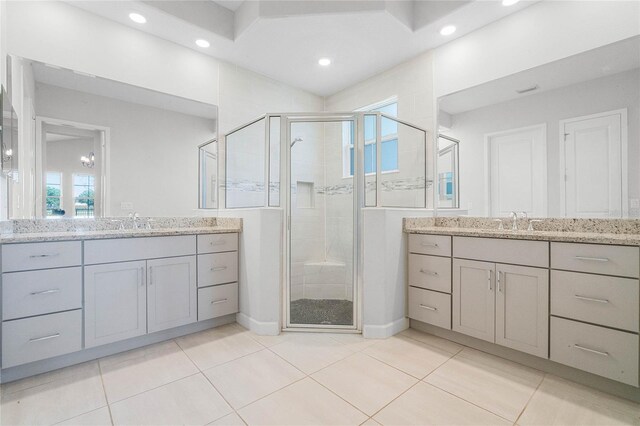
104 389
394 399
154 388
530 398
351 404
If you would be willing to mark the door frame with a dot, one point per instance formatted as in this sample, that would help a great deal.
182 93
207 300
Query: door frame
487 164
40 175
623 155
358 203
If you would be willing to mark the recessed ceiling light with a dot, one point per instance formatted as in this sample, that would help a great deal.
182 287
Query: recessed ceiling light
448 30
203 43
325 62
137 18
509 2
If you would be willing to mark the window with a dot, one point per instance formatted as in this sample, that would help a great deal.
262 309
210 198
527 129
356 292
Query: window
389 141
84 195
53 200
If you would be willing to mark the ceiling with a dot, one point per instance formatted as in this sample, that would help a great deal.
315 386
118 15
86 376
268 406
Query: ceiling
283 39
601 62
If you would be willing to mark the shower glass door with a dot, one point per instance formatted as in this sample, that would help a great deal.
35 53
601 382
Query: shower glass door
322 222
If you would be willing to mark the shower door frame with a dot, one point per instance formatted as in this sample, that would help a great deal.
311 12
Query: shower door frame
357 120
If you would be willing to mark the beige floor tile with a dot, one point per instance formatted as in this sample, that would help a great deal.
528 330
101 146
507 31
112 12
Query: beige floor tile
560 402
143 369
311 352
83 369
249 378
500 386
232 419
302 403
54 401
219 345
426 405
370 422
269 341
188 401
99 417
409 355
365 382
354 342
431 340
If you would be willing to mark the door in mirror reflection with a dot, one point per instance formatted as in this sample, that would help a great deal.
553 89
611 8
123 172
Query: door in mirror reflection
72 167
448 172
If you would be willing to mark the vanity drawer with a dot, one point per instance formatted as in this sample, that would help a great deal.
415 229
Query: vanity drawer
217 268
29 256
217 301
598 299
597 259
215 243
438 245
518 252
430 272
26 294
127 249
32 339
598 350
430 307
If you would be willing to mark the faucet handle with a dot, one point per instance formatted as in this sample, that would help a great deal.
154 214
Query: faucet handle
500 224
120 224
531 222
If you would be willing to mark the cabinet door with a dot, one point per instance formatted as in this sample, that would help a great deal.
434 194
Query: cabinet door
115 302
171 292
522 309
474 298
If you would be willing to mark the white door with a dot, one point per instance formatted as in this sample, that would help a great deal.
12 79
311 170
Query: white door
115 302
522 309
517 166
171 292
474 298
593 168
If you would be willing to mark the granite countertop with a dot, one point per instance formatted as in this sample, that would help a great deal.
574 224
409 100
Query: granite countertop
106 234
595 232
35 230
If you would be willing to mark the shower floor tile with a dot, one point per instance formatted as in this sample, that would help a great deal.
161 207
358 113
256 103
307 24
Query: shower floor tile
322 311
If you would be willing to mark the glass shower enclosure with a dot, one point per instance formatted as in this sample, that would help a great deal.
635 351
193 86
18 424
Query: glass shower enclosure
322 169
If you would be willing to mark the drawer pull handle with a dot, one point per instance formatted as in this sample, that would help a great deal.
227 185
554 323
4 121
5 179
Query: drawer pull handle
218 268
42 256
215 302
37 293
38 339
593 351
426 271
590 299
217 243
432 245
429 308
594 259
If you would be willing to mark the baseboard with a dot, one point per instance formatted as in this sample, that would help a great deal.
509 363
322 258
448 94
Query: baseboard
261 328
543 364
384 331
46 365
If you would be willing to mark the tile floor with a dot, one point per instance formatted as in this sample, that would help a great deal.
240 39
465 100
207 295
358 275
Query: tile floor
230 376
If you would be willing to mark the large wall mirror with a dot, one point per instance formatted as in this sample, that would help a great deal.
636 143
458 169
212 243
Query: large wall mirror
104 148
559 140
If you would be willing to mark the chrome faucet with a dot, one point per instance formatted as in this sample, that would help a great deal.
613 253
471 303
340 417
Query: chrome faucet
134 216
514 219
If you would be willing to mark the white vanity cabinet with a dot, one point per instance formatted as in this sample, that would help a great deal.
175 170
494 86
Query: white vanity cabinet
65 296
502 303
115 302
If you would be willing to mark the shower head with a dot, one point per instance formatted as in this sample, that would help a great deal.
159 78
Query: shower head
295 141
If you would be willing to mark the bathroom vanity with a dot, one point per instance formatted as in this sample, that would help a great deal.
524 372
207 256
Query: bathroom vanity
568 296
70 296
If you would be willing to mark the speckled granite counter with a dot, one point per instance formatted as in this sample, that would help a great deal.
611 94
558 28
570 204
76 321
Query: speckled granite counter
23 231
624 232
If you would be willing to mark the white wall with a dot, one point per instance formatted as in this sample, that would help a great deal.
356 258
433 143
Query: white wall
541 33
604 94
